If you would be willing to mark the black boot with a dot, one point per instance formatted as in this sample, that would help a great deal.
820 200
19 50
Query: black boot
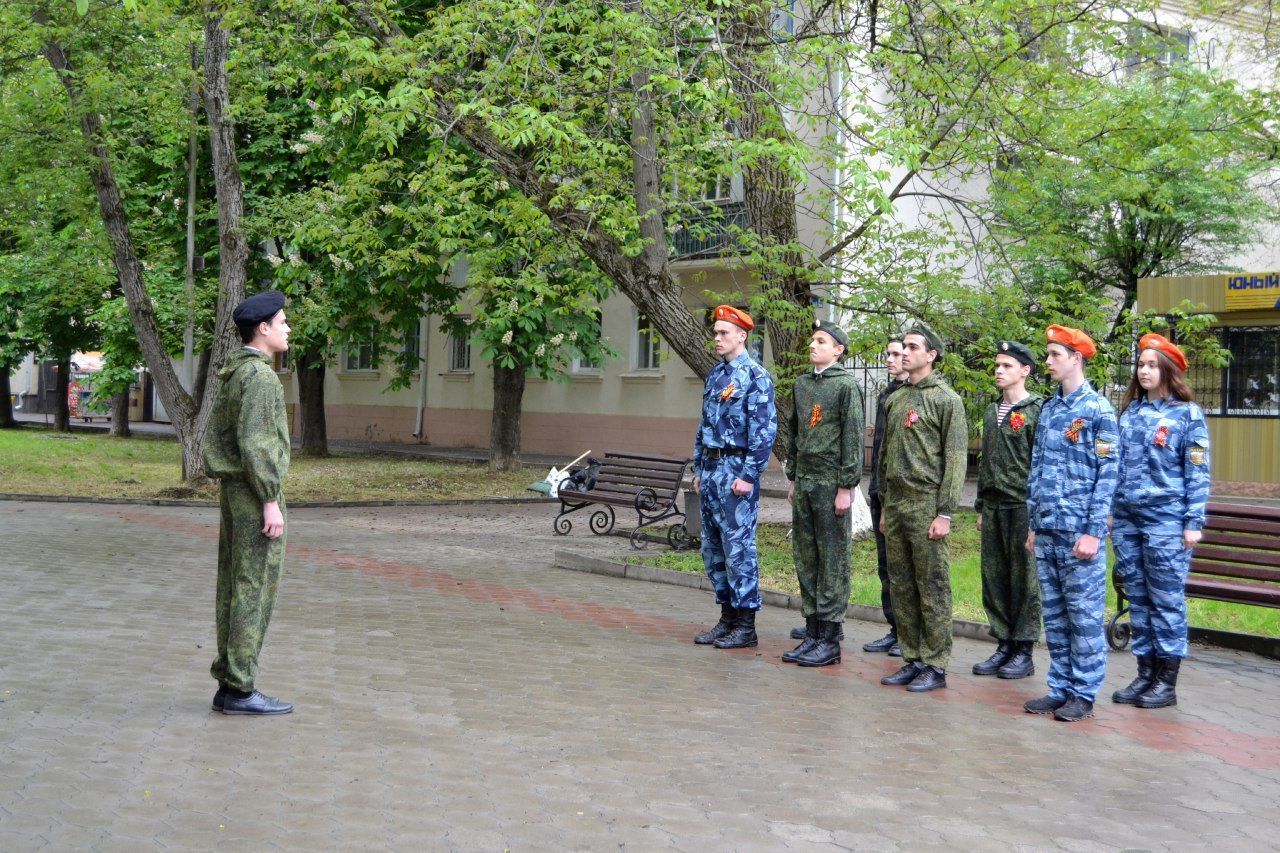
743 633
827 650
1020 665
883 644
1141 684
810 640
724 626
929 678
905 675
1004 651
1162 693
798 633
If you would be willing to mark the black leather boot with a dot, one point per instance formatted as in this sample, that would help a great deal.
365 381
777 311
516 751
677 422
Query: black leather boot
743 633
905 675
929 678
810 640
1141 684
722 627
883 644
1004 651
1020 664
827 650
798 633
1162 693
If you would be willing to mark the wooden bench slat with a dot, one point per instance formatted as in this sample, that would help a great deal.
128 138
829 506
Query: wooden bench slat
1213 554
1262 527
640 482
1231 540
1226 570
647 457
1234 591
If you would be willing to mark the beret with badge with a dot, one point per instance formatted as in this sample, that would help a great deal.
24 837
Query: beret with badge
837 334
259 308
1017 351
1163 345
736 316
924 330
1072 339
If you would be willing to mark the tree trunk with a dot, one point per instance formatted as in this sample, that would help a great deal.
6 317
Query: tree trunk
233 249
7 420
61 408
315 432
177 402
504 431
120 415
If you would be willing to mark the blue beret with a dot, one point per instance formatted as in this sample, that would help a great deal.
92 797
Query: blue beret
1017 351
837 334
259 308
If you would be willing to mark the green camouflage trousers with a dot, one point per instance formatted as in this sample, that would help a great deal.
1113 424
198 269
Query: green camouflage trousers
1010 585
820 550
920 583
248 578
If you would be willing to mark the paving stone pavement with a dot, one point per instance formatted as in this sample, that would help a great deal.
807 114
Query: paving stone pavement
456 692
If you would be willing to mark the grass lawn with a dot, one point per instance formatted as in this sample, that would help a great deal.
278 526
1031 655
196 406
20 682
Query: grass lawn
43 462
777 572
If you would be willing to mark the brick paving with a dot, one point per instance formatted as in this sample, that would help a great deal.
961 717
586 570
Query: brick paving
456 692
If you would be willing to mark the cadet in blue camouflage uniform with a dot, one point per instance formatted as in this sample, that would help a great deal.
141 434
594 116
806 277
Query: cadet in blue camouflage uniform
824 465
1074 466
730 452
922 468
1010 586
1158 515
247 449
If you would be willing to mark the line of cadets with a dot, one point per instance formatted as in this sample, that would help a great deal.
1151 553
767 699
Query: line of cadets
1056 477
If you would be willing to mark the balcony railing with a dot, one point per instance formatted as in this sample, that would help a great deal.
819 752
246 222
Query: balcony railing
711 236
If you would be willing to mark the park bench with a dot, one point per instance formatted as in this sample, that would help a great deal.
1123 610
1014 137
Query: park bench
645 482
1237 561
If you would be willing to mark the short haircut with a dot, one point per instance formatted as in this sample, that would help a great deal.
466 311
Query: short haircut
247 331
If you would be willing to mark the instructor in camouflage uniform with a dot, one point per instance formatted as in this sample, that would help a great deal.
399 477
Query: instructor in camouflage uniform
1010 588
922 469
247 449
824 465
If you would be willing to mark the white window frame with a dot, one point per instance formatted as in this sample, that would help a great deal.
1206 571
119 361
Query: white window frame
652 348
358 351
457 346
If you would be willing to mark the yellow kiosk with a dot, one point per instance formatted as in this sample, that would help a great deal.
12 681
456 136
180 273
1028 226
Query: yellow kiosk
1241 400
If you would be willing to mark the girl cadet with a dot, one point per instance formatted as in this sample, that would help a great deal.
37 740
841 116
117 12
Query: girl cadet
1159 511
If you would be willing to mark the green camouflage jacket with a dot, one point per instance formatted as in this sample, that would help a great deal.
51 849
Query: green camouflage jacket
926 441
827 432
248 437
1006 453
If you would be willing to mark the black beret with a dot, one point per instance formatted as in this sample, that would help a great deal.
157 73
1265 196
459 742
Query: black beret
259 308
1018 351
924 330
837 334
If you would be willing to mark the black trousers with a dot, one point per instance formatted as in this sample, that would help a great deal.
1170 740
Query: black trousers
882 563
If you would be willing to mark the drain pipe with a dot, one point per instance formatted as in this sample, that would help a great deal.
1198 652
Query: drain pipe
419 427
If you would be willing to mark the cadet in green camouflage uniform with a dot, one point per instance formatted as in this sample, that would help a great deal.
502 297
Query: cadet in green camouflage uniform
922 467
824 464
247 449
1010 585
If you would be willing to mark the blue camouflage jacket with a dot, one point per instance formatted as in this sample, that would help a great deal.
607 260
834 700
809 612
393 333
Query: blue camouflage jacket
1164 465
738 411
1074 464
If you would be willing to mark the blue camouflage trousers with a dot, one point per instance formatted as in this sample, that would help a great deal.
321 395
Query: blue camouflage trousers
729 534
1153 568
1074 594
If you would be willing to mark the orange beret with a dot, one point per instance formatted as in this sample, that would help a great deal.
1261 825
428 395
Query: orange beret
1159 343
1072 338
739 318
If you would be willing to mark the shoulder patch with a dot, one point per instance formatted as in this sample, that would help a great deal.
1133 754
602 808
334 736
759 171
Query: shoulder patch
1102 447
1196 454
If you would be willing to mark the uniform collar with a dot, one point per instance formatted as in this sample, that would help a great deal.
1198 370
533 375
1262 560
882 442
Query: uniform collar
1073 399
743 359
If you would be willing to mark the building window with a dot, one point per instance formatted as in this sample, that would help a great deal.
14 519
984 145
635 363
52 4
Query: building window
648 345
1249 386
755 345
412 346
587 365
280 361
1162 48
361 357
460 350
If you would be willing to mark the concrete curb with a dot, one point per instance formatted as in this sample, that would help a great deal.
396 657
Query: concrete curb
576 562
75 499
